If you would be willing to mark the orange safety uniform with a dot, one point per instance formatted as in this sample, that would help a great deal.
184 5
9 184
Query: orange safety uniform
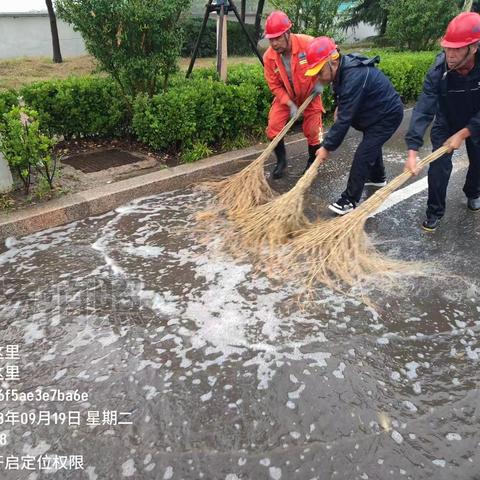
278 82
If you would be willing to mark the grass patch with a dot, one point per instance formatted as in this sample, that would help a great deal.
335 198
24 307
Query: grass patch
18 72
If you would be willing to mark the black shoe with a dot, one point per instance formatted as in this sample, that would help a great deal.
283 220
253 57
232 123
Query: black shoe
279 169
430 224
473 204
281 165
379 183
341 206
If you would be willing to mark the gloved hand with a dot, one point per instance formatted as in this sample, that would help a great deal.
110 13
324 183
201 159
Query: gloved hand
293 109
318 88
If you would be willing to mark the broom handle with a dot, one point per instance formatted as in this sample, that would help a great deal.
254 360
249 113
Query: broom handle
432 157
372 202
380 195
271 147
310 175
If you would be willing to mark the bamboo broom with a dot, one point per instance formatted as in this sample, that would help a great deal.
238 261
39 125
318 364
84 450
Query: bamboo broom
338 252
249 188
271 224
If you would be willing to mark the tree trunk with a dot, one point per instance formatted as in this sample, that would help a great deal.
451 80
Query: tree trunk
258 18
383 25
57 55
243 8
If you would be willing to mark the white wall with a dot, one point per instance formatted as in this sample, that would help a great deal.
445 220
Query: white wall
360 32
28 35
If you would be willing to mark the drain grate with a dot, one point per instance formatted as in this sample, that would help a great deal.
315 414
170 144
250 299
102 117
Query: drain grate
101 160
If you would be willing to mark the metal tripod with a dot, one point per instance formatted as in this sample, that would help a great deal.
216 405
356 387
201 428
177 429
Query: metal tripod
221 7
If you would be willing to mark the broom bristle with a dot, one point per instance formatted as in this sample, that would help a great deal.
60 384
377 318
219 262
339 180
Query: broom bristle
275 222
206 216
249 188
243 190
338 253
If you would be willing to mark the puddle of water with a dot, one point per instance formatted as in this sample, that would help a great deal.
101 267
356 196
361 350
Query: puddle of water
213 372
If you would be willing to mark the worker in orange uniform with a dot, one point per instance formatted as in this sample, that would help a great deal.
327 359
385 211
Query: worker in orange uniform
285 65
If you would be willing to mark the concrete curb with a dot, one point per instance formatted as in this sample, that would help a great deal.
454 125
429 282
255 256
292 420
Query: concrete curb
105 198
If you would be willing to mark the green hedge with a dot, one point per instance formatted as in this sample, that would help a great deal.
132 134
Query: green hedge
406 71
199 111
78 106
240 75
237 41
8 99
204 111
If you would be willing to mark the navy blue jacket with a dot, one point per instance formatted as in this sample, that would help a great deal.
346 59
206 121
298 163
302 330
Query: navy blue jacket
454 101
364 96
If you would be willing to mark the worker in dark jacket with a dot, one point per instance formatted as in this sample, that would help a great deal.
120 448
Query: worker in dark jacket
451 94
367 101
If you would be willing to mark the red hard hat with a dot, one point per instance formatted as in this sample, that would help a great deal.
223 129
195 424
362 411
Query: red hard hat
277 24
463 30
319 51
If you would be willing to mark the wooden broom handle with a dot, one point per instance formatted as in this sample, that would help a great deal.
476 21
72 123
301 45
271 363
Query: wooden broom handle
433 156
373 202
287 127
404 176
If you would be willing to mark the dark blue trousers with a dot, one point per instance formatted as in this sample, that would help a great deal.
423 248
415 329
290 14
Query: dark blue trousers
440 170
368 159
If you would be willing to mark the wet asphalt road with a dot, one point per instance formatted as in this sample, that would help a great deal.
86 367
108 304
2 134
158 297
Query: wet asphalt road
197 368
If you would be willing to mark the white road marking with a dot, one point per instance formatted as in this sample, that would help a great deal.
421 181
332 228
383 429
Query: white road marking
403 194
412 189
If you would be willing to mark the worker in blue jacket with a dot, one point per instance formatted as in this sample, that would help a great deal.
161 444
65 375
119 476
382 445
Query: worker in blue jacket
367 101
451 95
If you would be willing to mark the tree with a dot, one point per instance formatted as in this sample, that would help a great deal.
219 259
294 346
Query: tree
416 24
312 16
57 55
135 41
373 12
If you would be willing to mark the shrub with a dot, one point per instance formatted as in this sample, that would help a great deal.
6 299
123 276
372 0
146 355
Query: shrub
199 111
8 99
196 152
78 107
204 112
24 146
136 42
406 71
253 75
